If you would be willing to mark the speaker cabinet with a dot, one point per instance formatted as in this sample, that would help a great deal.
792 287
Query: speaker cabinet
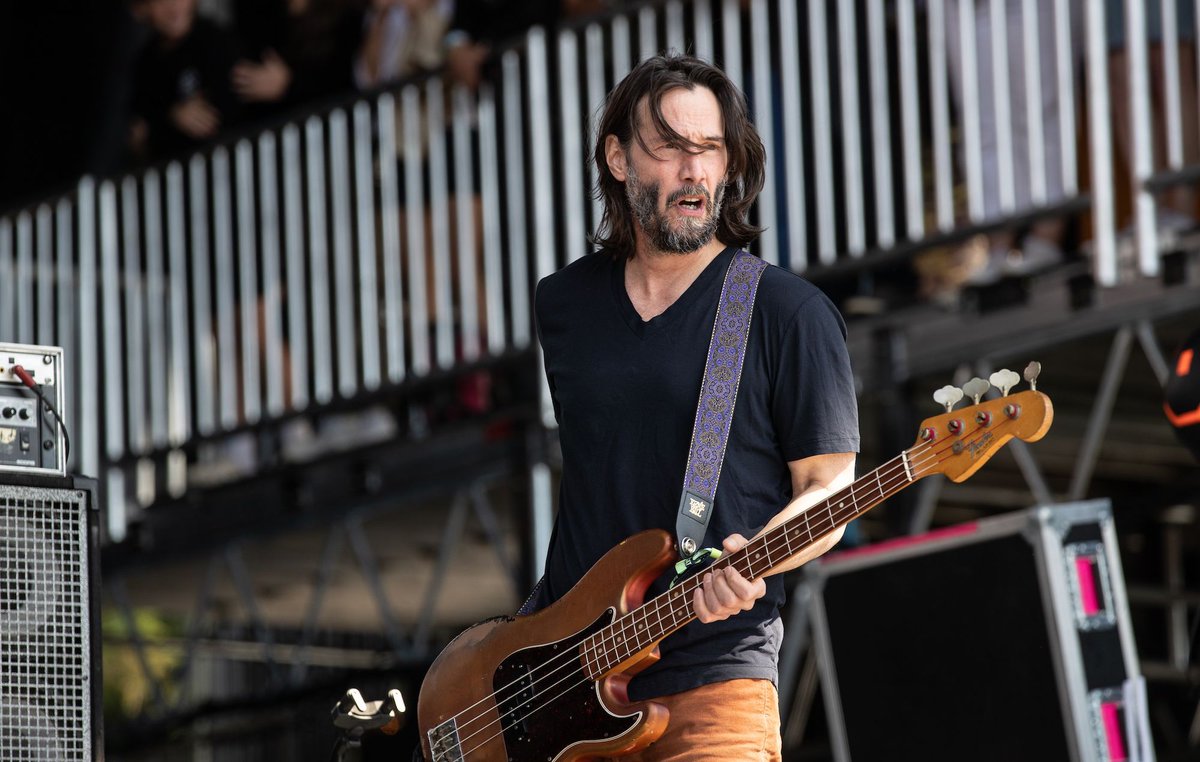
49 620
1004 639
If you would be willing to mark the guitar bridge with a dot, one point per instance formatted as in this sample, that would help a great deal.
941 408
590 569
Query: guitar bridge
444 743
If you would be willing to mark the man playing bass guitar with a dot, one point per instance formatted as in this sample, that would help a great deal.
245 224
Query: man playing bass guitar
625 332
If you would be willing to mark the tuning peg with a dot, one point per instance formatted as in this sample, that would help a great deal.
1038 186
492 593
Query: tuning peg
976 388
1004 379
948 397
1032 371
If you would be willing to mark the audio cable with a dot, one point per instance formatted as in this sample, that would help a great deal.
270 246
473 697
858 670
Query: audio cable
27 379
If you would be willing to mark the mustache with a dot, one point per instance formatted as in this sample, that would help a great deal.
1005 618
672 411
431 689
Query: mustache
690 190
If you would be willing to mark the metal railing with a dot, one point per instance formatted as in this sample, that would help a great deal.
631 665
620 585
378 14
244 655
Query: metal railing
401 233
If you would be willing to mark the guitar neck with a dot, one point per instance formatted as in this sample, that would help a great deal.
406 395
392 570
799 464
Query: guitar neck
641 629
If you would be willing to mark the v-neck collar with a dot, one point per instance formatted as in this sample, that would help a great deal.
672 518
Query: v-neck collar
712 272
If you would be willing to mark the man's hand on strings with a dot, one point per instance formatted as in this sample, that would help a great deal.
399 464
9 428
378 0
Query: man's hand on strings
725 592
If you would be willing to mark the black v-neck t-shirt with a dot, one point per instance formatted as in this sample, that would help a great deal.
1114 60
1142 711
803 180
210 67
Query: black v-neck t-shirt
625 393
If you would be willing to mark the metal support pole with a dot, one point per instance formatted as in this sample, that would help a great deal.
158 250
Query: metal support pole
1110 382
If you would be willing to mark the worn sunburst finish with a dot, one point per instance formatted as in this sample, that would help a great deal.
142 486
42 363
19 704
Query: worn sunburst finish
591 718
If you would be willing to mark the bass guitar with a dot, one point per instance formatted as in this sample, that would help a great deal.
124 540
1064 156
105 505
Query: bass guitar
552 685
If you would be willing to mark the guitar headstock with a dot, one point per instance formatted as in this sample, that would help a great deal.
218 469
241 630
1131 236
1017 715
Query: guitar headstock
958 442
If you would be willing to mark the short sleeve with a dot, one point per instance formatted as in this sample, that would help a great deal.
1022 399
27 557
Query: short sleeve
813 405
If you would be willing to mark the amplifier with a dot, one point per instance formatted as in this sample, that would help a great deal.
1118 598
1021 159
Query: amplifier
31 440
50 707
1003 639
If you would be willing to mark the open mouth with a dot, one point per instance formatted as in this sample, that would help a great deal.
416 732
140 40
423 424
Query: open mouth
691 203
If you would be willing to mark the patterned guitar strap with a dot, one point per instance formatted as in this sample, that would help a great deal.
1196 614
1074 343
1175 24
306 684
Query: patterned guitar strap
714 413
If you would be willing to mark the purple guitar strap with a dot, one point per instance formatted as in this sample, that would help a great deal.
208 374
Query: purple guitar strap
718 393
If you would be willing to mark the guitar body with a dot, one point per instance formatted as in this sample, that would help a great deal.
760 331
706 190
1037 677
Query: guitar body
516 688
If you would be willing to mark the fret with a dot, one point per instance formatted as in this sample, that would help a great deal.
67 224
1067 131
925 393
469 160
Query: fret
879 484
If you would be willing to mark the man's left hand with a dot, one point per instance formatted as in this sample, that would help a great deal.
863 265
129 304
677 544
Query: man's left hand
725 592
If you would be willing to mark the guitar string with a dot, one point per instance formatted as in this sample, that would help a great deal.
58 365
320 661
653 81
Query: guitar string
900 477
915 450
894 483
843 515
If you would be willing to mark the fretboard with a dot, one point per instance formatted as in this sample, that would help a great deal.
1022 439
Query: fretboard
641 629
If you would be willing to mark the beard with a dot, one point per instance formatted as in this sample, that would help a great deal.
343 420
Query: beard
687 234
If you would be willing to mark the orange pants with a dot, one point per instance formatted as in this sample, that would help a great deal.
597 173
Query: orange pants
731 721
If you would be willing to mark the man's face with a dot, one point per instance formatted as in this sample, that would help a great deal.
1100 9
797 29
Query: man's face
675 191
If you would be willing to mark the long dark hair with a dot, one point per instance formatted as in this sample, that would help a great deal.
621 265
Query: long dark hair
651 79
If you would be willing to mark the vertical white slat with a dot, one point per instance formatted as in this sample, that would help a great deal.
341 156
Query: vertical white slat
764 104
272 285
573 210
368 281
621 47
204 379
675 35
24 278
881 125
45 275
134 376
1064 47
793 138
647 33
179 392
939 95
248 292
822 132
514 183
1031 36
1100 146
1143 136
389 235
594 62
852 147
156 314
731 40
541 179
702 28
113 417
1002 104
88 439
223 355
64 334
346 341
8 283
318 263
439 203
910 120
297 270
969 98
464 200
1173 114
417 248
489 178
539 134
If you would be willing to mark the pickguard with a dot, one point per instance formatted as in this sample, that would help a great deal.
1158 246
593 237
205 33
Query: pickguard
548 704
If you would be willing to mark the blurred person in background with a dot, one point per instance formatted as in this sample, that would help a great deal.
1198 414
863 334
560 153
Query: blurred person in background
401 38
479 25
293 52
182 96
